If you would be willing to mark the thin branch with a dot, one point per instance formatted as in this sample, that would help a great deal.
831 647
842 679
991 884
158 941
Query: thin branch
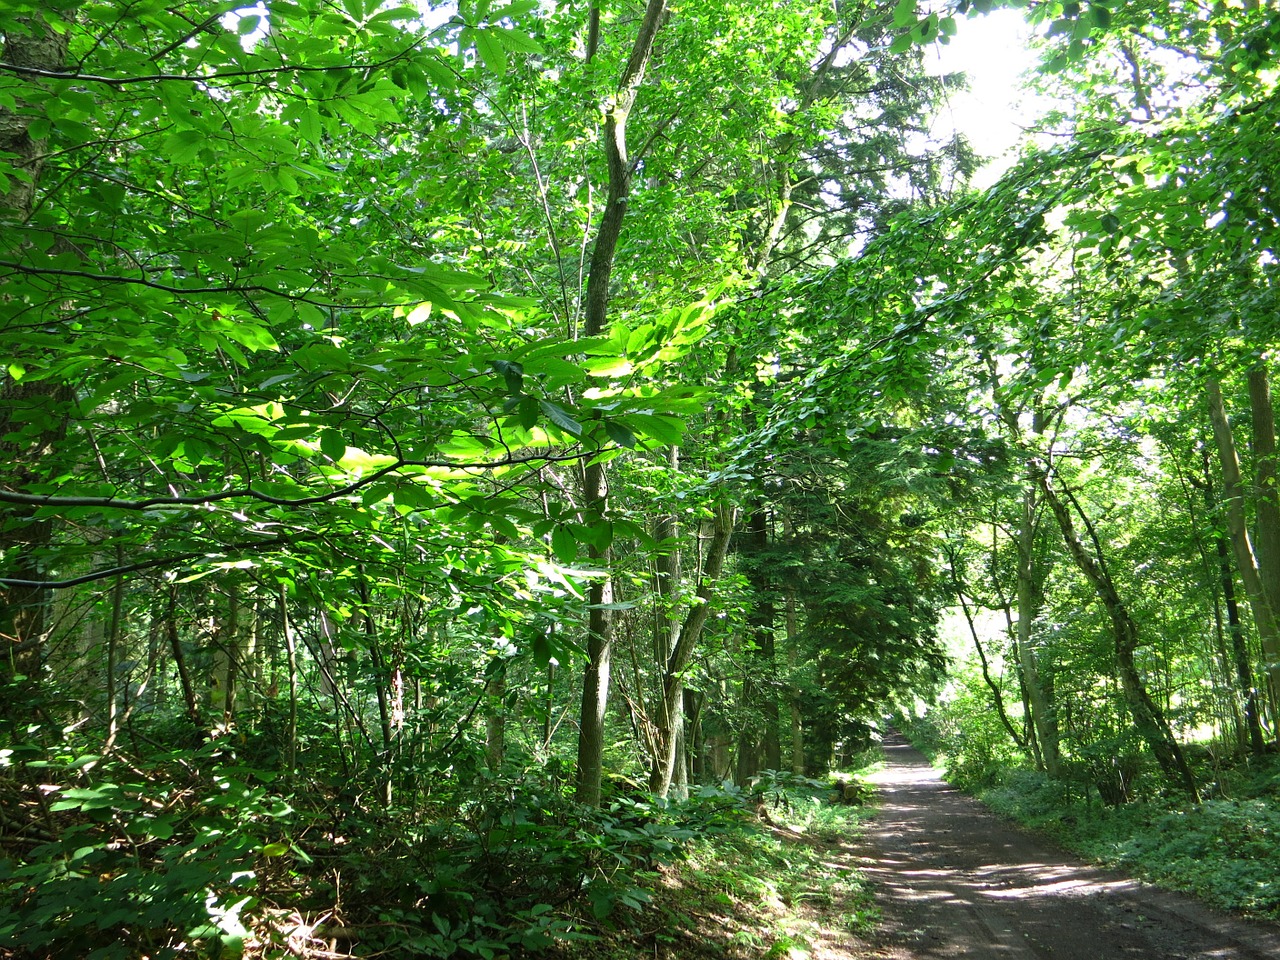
109 572
248 493
170 288
230 75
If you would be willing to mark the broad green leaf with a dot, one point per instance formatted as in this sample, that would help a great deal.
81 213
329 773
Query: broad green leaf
491 51
668 431
512 372
516 40
557 415
182 146
598 534
564 545
332 445
607 366
619 434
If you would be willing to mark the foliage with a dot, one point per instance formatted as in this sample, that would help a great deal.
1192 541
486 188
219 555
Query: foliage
373 380
765 891
963 736
513 864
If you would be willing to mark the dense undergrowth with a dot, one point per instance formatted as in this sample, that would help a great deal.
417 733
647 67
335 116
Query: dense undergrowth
198 853
1223 849
776 884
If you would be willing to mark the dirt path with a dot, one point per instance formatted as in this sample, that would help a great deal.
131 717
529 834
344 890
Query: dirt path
956 881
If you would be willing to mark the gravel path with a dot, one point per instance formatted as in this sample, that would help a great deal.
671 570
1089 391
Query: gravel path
955 881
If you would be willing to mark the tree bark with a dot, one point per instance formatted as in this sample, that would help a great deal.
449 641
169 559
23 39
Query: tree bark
291 649
758 741
1148 718
1239 661
1043 720
595 687
1238 533
1042 726
22 404
495 716
667 572
1265 492
663 770
793 694
997 697
179 657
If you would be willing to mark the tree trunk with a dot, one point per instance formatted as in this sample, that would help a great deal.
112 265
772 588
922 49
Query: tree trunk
180 658
114 632
1265 491
595 681
595 687
666 634
381 684
1239 662
1148 718
1238 533
667 738
291 651
495 715
1043 719
23 597
758 740
997 696
793 695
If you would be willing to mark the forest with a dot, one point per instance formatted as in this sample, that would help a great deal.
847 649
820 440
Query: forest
457 458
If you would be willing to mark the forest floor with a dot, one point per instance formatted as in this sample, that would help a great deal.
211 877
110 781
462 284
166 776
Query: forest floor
954 880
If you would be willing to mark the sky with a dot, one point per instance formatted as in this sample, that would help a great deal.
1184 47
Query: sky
992 51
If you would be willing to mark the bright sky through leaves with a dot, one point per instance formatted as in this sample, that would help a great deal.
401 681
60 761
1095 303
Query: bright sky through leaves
992 50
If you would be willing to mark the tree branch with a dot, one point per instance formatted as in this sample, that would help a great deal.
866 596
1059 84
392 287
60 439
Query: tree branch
109 572
248 493
230 75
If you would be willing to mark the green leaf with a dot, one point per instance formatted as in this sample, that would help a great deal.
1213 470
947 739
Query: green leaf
515 40
527 413
503 526
564 545
620 434
666 430
904 13
607 366
598 535
252 335
182 146
512 372
491 51
332 445
557 415
514 9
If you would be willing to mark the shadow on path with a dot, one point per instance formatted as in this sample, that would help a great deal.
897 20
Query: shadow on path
956 881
